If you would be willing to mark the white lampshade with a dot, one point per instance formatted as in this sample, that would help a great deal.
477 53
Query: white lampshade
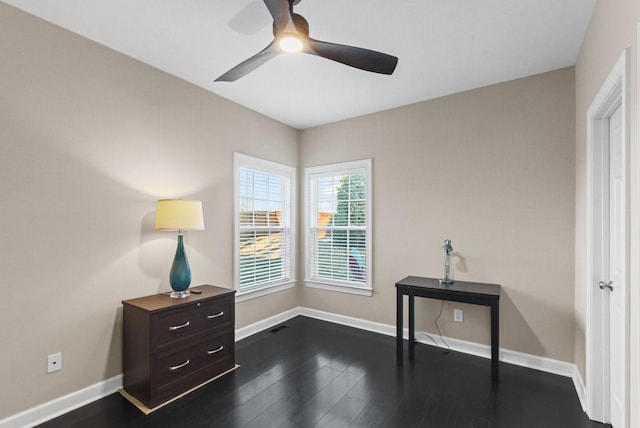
176 214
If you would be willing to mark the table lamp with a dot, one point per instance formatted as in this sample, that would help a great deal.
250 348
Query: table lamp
176 214
447 248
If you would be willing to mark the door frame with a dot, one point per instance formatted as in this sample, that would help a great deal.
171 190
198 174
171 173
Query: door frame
637 194
614 93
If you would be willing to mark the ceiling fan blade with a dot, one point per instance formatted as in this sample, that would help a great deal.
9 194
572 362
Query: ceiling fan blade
248 65
364 59
279 10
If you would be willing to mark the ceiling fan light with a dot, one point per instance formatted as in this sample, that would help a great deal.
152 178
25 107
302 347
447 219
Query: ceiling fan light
290 43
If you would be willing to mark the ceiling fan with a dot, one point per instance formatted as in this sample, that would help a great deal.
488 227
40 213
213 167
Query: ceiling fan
291 34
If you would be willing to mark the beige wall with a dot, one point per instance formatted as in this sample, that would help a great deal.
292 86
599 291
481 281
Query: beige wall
89 140
612 29
491 169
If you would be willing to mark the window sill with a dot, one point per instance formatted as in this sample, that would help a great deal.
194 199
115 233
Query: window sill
342 288
242 296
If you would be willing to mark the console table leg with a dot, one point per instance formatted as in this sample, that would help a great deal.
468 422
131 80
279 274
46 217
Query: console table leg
399 320
412 327
495 343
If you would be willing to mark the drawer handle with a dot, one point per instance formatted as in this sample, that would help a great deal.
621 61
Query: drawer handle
178 327
215 351
210 317
179 366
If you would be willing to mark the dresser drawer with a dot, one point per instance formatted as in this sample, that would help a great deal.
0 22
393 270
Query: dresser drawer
217 313
177 371
177 324
169 326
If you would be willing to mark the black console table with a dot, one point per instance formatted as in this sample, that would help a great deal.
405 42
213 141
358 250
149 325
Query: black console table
460 291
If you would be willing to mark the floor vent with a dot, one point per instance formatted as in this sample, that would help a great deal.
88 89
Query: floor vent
277 329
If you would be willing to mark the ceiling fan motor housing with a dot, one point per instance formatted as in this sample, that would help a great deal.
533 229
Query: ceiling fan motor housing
301 24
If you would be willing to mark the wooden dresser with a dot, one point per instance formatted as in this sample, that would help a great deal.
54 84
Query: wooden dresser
173 345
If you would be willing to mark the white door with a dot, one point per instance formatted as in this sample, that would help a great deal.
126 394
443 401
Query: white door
614 298
608 249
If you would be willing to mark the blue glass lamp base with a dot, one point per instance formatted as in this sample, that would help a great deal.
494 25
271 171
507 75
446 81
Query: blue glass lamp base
180 275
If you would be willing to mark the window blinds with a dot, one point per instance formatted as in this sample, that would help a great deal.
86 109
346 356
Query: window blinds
264 228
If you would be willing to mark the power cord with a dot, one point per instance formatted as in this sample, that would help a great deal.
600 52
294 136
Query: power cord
442 350
439 332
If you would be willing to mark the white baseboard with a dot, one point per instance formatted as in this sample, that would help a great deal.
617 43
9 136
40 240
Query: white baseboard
581 390
64 404
544 364
348 321
59 406
266 323
512 357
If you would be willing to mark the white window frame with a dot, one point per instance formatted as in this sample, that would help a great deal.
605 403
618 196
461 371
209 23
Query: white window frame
311 175
288 173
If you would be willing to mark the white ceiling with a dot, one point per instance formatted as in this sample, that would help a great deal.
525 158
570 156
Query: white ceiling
443 46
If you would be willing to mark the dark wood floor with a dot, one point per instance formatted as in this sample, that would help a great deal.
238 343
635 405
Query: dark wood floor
309 373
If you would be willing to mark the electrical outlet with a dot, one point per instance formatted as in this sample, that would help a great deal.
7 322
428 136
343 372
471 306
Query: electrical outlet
54 362
458 315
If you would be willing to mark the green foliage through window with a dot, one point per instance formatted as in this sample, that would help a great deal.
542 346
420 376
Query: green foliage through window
340 235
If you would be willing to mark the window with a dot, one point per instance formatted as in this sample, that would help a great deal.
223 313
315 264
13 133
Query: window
338 227
263 224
